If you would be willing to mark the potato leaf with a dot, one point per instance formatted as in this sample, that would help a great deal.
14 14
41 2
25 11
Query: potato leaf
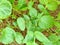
43 9
31 43
52 5
21 5
46 22
57 31
53 38
43 1
29 37
26 17
39 15
7 35
33 12
12 1
5 9
57 24
57 43
19 38
21 23
30 4
39 36
58 16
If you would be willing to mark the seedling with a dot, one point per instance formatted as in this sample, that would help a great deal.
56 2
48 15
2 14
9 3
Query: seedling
35 21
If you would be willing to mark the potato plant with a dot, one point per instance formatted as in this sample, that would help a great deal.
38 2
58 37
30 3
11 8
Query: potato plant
30 18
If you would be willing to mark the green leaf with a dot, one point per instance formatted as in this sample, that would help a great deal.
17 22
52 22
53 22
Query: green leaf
31 43
14 24
57 31
23 8
28 25
39 36
58 16
57 24
30 4
43 9
53 38
29 37
46 22
34 22
59 37
21 23
5 9
43 1
26 17
7 35
12 1
57 43
52 5
21 5
33 12
19 38
39 15
58 2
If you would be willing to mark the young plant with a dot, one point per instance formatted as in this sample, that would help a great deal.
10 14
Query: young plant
34 24
34 21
